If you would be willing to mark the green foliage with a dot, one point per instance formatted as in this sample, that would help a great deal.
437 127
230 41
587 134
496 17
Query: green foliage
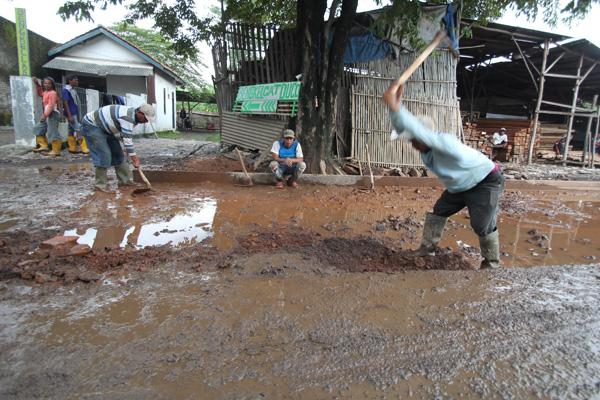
6 118
81 9
262 12
206 94
176 20
208 107
9 33
168 134
180 22
213 138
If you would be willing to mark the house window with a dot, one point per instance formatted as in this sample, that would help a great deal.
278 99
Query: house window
165 99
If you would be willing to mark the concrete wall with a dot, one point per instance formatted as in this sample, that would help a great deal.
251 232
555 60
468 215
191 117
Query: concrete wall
165 102
26 108
38 49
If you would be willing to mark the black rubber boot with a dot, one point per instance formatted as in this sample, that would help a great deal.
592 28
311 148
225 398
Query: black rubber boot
432 233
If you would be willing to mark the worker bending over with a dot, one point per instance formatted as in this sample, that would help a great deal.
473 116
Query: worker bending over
471 179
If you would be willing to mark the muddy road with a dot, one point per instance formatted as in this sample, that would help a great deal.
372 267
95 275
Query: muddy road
212 291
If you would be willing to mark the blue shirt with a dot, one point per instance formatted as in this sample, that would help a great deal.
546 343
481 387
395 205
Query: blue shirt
457 165
69 94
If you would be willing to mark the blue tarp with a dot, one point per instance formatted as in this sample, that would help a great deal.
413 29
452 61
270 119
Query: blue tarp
364 47
367 47
449 20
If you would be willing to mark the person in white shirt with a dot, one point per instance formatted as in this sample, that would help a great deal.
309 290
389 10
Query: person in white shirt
499 141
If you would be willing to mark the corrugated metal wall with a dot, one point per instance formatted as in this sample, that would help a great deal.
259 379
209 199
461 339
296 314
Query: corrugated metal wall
250 132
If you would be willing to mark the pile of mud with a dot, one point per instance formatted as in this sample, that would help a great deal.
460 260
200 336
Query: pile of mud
22 258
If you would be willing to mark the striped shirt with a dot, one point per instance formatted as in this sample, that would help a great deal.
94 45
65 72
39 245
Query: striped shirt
115 120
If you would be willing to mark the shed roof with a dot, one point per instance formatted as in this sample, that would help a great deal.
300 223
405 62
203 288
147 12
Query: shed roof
513 78
102 31
99 67
498 40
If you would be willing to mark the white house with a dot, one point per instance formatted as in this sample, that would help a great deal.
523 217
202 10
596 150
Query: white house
108 63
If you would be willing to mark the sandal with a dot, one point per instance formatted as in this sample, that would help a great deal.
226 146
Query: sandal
279 185
293 185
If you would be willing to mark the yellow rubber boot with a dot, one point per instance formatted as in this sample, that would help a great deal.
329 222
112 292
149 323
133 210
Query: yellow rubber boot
56 146
84 148
43 142
73 145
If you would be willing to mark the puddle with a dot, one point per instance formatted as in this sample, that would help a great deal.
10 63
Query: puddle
183 215
176 226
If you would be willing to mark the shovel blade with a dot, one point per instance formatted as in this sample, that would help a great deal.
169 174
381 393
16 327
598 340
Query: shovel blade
142 190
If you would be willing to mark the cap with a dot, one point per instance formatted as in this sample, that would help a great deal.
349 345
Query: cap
70 77
148 111
407 135
288 133
502 129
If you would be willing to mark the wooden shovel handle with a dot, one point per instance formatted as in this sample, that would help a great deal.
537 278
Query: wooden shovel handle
242 162
417 63
143 176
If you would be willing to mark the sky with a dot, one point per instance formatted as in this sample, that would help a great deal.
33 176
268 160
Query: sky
42 19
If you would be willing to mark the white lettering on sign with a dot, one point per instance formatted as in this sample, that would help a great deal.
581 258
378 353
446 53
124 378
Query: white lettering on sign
269 91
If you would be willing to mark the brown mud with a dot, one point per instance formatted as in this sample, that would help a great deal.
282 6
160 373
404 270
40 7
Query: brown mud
208 290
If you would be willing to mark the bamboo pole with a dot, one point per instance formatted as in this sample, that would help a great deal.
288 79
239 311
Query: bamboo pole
539 102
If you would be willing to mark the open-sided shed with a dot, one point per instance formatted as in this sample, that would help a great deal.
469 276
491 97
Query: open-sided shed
515 72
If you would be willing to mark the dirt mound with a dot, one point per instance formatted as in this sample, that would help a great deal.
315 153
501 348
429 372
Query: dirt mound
358 254
21 258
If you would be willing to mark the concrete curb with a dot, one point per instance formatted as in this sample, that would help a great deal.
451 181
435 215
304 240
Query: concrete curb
345 180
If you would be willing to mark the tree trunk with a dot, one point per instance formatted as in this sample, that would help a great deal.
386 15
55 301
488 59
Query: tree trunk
320 82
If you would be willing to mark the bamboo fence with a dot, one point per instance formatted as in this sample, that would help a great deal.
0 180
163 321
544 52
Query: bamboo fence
431 91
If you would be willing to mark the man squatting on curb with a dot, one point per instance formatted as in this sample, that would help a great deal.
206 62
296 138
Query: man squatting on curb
471 180
100 127
287 159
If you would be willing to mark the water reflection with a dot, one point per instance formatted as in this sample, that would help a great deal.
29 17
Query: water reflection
183 227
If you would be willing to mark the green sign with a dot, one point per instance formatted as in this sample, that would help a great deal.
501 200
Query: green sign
259 107
22 42
263 99
269 91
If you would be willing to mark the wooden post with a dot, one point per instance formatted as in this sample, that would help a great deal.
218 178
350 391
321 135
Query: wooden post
573 106
539 102
595 139
586 144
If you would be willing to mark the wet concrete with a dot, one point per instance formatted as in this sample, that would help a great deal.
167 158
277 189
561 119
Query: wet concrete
288 323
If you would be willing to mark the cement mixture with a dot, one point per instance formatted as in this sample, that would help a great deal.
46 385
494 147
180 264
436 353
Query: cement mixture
206 290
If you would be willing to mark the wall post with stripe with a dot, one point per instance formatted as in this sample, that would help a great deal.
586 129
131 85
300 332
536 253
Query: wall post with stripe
22 42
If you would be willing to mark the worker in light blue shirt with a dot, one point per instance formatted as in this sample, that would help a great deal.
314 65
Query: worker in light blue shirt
471 180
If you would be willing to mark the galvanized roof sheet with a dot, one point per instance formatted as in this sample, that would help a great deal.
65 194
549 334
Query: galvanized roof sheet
99 67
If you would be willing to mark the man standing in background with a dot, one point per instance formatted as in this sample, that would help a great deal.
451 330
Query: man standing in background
71 107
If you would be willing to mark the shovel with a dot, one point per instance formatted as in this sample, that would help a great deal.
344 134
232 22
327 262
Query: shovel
250 183
148 186
367 133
